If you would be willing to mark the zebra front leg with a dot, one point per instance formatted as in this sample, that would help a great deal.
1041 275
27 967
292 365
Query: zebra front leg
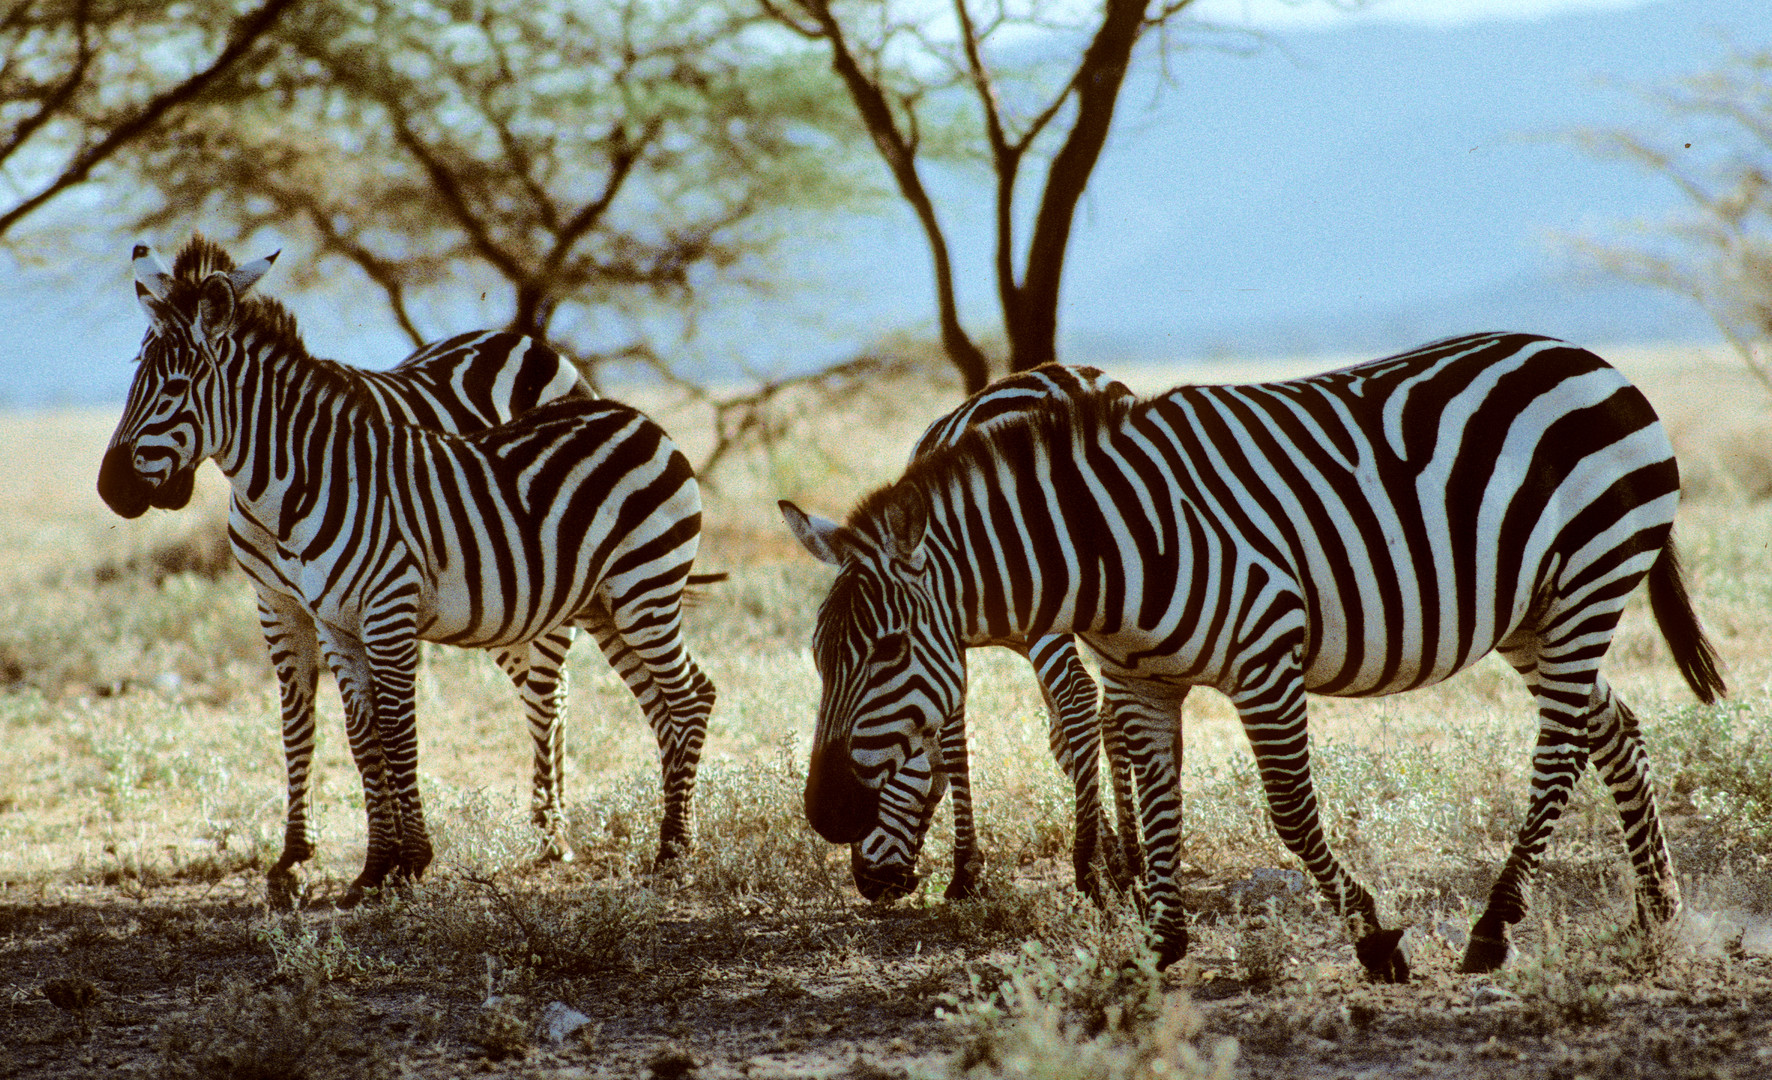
1271 705
295 656
1131 847
968 862
350 666
393 650
1075 737
537 669
1147 714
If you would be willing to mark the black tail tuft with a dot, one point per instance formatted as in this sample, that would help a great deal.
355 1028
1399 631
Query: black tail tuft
1672 607
694 590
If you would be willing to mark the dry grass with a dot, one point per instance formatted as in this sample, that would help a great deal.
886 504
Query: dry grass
141 799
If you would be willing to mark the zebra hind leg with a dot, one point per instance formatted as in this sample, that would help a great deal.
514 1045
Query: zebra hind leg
1608 739
537 670
1557 761
645 647
295 656
1619 757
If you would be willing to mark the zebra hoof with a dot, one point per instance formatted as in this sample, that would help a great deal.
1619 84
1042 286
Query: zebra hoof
963 887
1381 955
1171 948
670 853
1485 953
555 851
886 885
284 889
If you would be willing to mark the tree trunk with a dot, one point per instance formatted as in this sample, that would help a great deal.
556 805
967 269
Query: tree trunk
1032 325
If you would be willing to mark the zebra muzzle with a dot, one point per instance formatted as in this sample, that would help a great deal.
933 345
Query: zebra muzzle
839 807
129 494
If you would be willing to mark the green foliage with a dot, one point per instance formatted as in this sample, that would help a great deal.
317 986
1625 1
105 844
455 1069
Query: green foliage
549 932
304 955
755 843
1082 1018
1718 759
599 160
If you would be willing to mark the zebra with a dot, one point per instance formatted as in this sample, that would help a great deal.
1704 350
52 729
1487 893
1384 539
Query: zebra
883 862
576 513
465 383
1362 532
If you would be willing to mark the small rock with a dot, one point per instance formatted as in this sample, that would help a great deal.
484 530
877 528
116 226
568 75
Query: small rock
1490 994
1264 884
560 1022
1453 934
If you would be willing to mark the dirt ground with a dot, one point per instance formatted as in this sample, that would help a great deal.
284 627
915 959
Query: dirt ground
180 979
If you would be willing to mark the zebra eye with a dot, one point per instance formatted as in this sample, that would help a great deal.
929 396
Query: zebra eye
891 650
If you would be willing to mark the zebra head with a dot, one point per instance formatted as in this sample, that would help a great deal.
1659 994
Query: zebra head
888 653
164 433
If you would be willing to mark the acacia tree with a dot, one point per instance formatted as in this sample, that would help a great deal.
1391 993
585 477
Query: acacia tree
1719 252
77 85
596 163
897 71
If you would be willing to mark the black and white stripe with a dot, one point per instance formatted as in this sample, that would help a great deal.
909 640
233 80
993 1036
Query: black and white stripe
1362 532
884 861
381 533
465 383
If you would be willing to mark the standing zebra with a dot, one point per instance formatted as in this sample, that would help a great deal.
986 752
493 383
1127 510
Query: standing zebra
466 383
579 512
1362 532
883 862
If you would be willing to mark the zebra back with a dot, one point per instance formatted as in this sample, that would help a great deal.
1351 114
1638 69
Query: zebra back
474 380
1015 395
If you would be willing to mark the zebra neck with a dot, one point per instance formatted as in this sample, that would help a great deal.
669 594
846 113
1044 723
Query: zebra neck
294 427
1003 586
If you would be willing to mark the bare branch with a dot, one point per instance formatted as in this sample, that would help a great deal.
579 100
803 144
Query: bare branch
247 33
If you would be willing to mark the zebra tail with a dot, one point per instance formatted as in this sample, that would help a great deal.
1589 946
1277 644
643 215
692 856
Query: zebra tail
1672 607
693 591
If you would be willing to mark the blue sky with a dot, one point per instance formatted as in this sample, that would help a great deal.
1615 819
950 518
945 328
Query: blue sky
1365 181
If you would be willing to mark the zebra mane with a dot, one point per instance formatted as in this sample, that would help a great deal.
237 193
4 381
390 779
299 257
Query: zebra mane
1052 421
263 323
260 317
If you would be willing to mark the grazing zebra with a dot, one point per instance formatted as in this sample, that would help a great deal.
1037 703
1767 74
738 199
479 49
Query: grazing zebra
1362 532
883 863
580 512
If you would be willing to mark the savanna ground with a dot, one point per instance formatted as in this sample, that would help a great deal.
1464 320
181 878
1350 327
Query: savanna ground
141 799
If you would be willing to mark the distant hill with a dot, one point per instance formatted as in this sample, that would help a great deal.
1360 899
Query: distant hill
1366 187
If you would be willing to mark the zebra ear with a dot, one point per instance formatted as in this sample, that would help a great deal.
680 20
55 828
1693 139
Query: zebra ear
817 535
151 277
217 304
247 276
907 520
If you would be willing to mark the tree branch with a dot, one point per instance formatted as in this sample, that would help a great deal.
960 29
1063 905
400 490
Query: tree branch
248 31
